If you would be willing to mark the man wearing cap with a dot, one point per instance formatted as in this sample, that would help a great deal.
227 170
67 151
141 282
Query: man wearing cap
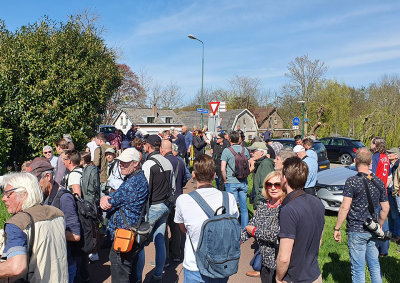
110 157
63 200
312 165
159 172
261 165
217 147
126 202
48 153
393 192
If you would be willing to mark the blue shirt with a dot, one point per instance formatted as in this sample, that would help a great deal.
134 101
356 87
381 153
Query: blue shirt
311 153
181 143
16 242
188 139
312 165
129 199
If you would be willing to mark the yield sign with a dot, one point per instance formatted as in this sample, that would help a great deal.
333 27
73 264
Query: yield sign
214 106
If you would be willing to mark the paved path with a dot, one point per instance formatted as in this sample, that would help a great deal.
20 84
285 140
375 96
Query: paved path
100 271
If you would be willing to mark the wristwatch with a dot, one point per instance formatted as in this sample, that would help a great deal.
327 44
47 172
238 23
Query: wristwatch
336 229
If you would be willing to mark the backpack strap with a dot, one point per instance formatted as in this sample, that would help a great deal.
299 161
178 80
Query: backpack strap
57 199
234 155
31 241
225 204
202 203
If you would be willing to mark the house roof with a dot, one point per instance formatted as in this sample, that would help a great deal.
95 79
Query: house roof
139 116
192 118
228 118
261 114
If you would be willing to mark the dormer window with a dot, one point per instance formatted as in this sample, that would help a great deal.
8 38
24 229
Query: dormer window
150 120
168 120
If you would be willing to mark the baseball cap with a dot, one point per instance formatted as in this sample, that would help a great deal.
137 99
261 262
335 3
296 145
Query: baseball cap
394 150
298 148
258 145
154 140
110 150
39 165
125 144
219 127
129 155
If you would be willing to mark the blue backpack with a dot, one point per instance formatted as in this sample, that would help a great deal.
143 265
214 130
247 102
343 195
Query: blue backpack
218 250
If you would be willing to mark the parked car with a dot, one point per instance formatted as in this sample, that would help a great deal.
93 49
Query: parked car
107 129
341 149
318 147
330 184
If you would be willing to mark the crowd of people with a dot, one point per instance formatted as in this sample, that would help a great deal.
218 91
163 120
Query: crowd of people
134 184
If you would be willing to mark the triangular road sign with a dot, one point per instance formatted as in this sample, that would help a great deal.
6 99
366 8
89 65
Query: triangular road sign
214 106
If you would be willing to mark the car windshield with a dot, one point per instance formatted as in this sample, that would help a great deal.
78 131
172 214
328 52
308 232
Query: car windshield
357 144
107 130
319 147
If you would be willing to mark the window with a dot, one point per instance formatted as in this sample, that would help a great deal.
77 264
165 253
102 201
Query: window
168 120
275 121
122 120
150 120
250 137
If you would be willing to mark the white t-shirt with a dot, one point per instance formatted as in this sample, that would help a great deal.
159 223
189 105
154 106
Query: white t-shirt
92 147
74 178
188 212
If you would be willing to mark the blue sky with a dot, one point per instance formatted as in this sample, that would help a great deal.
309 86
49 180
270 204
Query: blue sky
358 40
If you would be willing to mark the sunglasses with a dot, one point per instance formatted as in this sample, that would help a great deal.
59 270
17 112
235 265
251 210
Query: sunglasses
46 152
269 185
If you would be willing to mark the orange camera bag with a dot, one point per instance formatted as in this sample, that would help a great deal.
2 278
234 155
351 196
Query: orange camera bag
123 240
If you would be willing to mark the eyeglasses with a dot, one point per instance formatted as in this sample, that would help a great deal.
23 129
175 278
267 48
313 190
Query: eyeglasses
9 192
47 152
269 185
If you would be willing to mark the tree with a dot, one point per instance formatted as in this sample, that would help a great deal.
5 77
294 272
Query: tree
129 94
55 78
245 91
171 97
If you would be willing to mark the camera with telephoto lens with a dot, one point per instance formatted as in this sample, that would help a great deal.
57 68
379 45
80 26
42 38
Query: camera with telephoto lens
376 229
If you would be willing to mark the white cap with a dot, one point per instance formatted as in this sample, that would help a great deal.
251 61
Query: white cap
298 148
129 154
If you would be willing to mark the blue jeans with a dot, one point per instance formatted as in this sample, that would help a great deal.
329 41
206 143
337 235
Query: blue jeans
383 246
158 214
393 216
240 193
362 246
196 277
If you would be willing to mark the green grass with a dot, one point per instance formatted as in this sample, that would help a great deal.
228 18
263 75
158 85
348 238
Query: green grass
334 260
4 215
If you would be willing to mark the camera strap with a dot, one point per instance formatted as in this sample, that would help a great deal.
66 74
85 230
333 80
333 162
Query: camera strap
370 205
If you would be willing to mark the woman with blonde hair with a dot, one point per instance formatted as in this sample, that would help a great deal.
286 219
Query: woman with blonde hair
264 226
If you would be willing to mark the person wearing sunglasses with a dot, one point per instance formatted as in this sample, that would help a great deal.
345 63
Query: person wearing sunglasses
32 255
48 153
264 226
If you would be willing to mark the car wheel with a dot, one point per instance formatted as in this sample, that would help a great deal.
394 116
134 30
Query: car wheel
346 159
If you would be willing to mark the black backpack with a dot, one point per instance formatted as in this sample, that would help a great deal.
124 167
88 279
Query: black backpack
242 169
87 214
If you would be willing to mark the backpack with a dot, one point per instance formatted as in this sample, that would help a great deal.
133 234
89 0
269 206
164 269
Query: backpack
90 184
218 250
87 214
242 169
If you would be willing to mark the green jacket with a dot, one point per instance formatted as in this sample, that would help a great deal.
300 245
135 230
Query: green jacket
265 167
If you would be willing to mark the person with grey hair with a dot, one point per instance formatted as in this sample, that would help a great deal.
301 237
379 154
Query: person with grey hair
62 199
283 154
48 153
35 248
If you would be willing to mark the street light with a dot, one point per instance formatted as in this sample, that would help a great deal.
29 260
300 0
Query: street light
304 107
202 75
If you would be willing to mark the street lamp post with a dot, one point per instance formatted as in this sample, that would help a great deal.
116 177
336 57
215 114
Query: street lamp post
202 75
304 108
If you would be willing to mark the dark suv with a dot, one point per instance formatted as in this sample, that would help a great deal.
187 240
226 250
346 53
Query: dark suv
341 149
318 147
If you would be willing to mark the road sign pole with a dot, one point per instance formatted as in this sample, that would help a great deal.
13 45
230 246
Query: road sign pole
302 133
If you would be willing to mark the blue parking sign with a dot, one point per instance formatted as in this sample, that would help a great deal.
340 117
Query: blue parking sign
296 121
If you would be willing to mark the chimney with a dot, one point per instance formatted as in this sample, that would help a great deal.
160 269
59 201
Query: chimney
154 110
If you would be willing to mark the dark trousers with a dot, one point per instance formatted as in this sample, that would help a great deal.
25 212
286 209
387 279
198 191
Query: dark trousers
82 271
220 183
123 266
267 275
173 242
